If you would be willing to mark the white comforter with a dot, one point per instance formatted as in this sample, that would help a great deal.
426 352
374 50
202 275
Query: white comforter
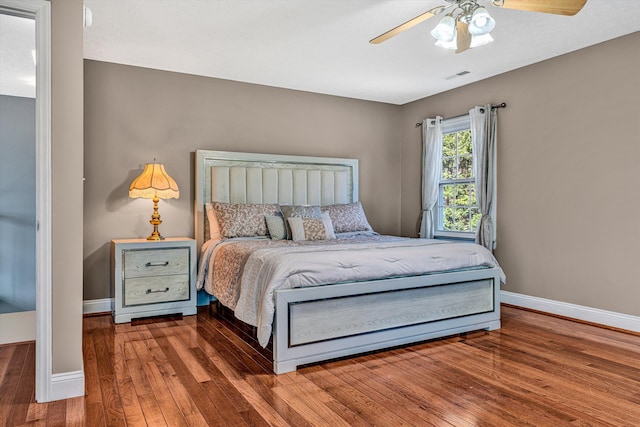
271 268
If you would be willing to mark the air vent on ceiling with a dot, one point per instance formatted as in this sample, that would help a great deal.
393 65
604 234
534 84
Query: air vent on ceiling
461 73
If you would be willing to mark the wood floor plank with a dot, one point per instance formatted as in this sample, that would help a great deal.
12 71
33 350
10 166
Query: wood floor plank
359 404
169 408
192 388
182 349
11 379
37 413
128 397
249 376
224 394
25 392
568 384
6 352
94 408
550 393
75 412
414 404
56 414
92 376
537 370
148 403
309 402
255 392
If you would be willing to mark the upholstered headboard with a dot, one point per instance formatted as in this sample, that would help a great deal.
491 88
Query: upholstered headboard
267 178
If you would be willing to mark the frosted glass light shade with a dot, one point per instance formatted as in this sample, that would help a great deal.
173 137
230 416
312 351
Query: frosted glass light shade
481 22
481 40
453 44
445 31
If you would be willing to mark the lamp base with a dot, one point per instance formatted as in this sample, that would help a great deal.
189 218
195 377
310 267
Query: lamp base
155 236
155 221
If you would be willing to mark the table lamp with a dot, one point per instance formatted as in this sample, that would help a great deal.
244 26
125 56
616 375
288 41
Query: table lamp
154 183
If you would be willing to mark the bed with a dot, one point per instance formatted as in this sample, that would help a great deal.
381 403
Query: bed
331 313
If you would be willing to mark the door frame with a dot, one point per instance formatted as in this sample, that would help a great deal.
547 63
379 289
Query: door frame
40 11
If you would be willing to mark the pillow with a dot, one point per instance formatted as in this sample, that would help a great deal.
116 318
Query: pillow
243 219
214 227
298 212
347 217
276 227
311 228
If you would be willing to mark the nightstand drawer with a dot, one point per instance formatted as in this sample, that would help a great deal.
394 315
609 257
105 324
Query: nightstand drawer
155 262
150 290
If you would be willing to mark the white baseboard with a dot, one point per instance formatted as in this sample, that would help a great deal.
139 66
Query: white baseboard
67 385
97 306
588 314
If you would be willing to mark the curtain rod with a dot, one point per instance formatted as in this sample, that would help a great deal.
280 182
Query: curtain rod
493 107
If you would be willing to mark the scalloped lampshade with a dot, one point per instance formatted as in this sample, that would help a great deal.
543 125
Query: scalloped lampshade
154 183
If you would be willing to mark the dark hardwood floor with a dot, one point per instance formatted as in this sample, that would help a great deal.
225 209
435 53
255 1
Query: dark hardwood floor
537 370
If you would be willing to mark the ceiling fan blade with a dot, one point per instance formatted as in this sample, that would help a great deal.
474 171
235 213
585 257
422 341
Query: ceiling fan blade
557 7
463 36
409 24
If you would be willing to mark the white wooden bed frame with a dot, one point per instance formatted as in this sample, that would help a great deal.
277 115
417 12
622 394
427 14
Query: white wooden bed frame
331 321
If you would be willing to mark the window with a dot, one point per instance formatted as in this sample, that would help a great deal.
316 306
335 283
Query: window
458 213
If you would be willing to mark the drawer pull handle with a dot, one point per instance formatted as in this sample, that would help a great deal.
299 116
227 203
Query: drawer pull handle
157 264
149 291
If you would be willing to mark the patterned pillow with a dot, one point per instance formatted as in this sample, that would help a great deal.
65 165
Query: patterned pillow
311 228
298 212
242 219
347 217
276 227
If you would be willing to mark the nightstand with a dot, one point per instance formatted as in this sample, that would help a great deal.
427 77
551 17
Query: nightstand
151 278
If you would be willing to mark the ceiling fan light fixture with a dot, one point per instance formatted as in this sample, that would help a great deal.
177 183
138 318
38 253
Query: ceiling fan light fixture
480 40
445 31
481 22
453 44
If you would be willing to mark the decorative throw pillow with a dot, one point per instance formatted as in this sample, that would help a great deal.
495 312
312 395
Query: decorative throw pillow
214 227
243 219
298 212
311 228
276 227
347 217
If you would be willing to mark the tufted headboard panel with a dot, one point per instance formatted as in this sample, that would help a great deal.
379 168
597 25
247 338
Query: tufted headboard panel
266 178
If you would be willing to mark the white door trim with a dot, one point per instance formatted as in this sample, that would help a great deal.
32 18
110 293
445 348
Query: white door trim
40 10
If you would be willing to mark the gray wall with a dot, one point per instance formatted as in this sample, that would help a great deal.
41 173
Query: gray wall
133 115
568 150
17 204
66 184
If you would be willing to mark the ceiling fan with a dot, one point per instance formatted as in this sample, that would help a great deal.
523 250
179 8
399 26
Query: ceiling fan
467 24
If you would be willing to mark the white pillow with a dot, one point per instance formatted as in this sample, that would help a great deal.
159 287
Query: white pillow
214 226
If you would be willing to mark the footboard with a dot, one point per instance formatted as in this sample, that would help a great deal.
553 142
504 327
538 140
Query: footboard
326 322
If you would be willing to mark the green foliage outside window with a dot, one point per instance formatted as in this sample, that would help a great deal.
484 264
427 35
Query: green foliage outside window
459 209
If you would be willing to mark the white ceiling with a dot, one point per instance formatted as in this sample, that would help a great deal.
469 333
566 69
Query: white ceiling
322 45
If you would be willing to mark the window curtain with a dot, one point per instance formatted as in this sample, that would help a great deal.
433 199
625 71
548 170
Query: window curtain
431 172
483 120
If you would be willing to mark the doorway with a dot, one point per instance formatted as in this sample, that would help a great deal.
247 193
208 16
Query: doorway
40 12
17 179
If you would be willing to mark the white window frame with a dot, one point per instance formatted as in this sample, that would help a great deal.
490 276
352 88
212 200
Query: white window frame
453 124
